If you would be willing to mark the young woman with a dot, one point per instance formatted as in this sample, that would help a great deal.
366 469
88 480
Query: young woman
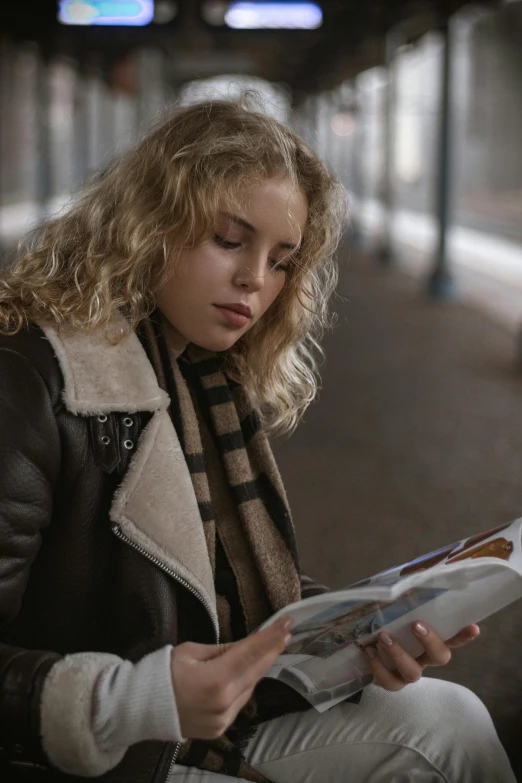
150 341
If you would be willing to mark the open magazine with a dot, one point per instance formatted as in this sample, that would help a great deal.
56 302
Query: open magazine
448 589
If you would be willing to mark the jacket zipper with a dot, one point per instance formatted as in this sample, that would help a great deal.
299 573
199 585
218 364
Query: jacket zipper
116 529
173 760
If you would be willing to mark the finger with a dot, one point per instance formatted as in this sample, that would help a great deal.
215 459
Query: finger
459 640
464 637
207 652
387 679
246 661
437 651
407 667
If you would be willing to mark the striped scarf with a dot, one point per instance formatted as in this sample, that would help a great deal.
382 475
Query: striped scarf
257 533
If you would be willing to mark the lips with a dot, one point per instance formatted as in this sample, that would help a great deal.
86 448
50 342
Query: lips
236 315
238 308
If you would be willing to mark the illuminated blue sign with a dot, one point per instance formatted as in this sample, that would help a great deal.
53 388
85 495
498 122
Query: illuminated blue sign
267 15
106 12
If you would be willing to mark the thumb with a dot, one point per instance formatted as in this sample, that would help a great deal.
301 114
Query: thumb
258 651
206 652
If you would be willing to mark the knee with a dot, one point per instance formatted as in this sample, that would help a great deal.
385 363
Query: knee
447 708
470 748
454 701
455 715
451 727
436 708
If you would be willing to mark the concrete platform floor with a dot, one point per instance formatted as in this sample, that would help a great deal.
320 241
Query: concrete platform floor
416 441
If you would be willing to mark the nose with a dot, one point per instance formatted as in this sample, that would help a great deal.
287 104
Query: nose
250 272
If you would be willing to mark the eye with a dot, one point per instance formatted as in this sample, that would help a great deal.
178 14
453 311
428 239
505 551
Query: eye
227 244
277 266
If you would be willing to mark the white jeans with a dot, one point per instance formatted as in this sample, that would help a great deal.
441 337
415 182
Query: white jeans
430 732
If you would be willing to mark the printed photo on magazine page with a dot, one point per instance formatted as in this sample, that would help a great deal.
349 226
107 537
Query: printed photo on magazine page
342 625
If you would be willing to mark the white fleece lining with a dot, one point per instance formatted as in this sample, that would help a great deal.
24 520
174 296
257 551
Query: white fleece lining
100 377
156 508
66 715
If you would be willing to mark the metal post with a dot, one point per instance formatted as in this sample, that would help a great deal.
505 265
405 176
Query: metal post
356 233
441 284
44 179
385 253
81 126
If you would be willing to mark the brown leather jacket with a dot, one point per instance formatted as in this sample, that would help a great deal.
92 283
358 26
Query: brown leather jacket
101 544
70 579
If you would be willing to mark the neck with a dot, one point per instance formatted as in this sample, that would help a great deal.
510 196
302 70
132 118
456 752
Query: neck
175 340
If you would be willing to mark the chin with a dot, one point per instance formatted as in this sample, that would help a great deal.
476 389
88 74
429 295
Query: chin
216 342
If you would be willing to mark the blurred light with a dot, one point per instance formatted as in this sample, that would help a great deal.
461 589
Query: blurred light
261 15
165 11
106 12
342 124
214 12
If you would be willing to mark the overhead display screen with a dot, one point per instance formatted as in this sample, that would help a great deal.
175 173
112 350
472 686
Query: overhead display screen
269 15
106 12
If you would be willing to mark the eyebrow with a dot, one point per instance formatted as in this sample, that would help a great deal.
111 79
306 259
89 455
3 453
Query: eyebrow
249 227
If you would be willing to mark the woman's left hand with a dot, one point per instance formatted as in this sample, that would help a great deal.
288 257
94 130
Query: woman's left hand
408 669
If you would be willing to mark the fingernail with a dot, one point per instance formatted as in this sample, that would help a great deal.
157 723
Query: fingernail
385 639
288 639
370 652
288 623
420 629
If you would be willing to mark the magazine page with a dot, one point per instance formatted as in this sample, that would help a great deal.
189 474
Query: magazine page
460 584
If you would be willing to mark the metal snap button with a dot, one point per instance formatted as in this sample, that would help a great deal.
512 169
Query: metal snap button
102 418
105 440
128 421
128 444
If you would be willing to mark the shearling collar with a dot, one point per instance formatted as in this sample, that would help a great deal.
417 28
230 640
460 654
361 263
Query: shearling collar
101 377
155 506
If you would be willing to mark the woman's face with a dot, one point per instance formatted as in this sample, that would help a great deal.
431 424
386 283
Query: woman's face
226 284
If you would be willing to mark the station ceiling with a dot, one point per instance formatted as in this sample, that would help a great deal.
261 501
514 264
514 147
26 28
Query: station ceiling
351 39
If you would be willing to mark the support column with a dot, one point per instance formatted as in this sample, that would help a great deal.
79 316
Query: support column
385 253
441 284
44 183
81 125
356 183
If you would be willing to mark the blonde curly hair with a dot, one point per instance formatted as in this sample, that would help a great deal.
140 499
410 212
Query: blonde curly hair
122 238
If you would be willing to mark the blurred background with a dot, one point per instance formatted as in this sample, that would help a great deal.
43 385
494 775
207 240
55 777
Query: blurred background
416 439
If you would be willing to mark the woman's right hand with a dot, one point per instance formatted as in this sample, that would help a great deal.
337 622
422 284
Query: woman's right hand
213 682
